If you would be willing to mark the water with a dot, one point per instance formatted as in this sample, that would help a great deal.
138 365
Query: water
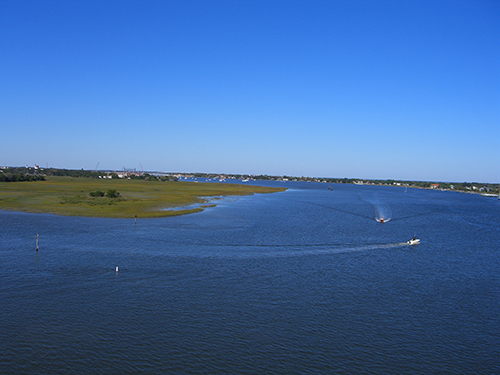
300 282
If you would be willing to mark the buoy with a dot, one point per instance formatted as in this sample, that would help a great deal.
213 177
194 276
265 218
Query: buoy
36 248
116 269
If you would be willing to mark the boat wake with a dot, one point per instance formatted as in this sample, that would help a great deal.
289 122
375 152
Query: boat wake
277 251
337 250
382 212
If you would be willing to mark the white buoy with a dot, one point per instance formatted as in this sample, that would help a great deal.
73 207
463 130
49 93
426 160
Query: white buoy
116 269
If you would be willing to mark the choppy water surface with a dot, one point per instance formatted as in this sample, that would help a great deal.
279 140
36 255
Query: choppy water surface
300 282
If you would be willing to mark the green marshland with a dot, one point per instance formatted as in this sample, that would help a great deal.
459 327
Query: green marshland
116 198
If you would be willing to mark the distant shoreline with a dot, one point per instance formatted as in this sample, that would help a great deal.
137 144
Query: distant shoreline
13 174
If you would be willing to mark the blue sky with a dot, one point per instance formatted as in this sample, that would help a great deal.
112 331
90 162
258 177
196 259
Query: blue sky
366 89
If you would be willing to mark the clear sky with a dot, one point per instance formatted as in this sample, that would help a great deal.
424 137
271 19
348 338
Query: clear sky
364 89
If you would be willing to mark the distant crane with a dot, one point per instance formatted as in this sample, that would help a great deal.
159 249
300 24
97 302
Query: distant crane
142 169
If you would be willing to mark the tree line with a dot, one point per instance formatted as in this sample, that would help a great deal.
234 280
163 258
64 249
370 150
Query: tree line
19 177
13 174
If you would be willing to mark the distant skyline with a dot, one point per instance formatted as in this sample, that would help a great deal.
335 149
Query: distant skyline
356 89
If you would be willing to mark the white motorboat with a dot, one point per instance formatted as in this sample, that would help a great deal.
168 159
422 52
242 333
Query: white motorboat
413 241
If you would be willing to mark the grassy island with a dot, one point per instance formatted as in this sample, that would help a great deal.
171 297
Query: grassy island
116 198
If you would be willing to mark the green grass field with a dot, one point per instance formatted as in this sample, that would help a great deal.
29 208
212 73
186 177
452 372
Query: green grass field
146 199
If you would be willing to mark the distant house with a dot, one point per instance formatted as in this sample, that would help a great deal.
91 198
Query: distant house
434 186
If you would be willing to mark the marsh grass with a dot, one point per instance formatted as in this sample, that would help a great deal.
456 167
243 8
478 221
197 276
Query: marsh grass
71 196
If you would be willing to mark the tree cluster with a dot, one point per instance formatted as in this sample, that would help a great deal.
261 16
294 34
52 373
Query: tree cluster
72 173
111 193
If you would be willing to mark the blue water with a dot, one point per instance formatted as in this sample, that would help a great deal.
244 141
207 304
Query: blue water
299 282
